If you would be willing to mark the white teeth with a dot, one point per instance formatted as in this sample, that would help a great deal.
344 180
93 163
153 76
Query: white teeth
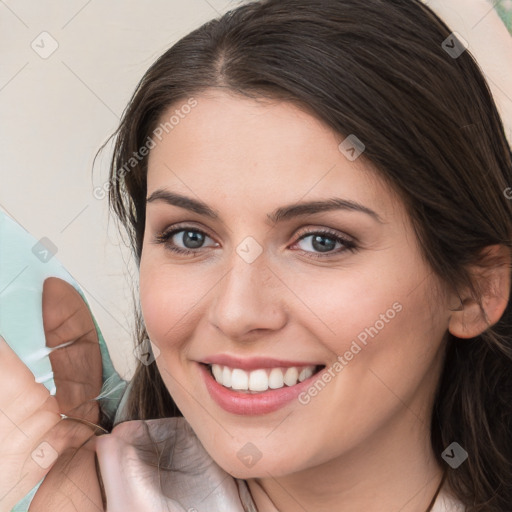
217 372
226 377
260 380
291 376
305 373
239 380
275 379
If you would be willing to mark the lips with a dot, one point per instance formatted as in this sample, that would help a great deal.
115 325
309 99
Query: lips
255 386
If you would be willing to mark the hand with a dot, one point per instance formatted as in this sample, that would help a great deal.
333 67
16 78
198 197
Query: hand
32 432
27 412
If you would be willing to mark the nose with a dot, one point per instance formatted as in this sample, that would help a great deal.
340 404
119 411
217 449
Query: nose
248 299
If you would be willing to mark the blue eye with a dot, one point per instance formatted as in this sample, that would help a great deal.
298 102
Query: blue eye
322 244
192 239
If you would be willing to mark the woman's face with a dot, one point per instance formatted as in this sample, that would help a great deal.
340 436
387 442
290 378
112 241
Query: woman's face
303 288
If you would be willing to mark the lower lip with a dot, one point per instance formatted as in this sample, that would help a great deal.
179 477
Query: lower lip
252 404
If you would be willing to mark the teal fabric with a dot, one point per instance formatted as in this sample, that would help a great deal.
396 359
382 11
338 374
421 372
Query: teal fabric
504 9
24 265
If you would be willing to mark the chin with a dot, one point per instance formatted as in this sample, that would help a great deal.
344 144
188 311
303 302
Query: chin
245 466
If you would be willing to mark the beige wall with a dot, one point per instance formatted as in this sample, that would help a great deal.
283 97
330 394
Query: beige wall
56 109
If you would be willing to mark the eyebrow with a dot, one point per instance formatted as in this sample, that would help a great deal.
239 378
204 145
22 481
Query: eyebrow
279 214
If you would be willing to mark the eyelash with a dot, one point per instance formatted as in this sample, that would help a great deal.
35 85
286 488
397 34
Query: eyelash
165 236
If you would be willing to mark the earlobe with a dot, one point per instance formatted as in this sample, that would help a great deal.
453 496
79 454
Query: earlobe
492 280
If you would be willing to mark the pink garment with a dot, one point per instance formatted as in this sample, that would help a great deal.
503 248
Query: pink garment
160 465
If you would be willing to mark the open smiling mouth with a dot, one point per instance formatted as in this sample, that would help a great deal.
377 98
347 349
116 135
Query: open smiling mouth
256 386
262 379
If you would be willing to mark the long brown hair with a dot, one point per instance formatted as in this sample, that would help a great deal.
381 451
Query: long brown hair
377 69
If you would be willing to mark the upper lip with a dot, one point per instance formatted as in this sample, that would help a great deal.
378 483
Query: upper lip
253 363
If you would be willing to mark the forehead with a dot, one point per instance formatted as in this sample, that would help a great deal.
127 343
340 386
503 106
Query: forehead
265 152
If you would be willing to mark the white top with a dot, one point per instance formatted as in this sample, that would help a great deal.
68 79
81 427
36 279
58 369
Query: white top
446 503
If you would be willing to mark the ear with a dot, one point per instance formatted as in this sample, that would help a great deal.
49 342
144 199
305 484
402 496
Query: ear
492 280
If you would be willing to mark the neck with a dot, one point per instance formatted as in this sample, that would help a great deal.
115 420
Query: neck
396 470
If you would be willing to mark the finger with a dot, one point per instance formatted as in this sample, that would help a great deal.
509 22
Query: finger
21 395
44 426
77 368
26 406
52 454
45 430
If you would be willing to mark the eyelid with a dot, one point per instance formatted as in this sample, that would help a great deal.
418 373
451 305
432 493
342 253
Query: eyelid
183 226
350 243
167 233
324 230
310 230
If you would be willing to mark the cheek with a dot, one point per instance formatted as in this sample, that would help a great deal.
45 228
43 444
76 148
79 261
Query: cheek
153 299
167 306
341 305
167 298
374 316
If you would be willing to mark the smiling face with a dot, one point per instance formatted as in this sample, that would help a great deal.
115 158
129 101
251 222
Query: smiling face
327 313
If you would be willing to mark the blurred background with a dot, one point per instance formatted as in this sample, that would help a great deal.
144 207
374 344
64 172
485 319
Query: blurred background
67 71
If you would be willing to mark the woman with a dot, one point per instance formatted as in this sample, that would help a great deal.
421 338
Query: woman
317 207
388 124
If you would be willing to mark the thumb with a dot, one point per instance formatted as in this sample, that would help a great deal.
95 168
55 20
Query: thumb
77 367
